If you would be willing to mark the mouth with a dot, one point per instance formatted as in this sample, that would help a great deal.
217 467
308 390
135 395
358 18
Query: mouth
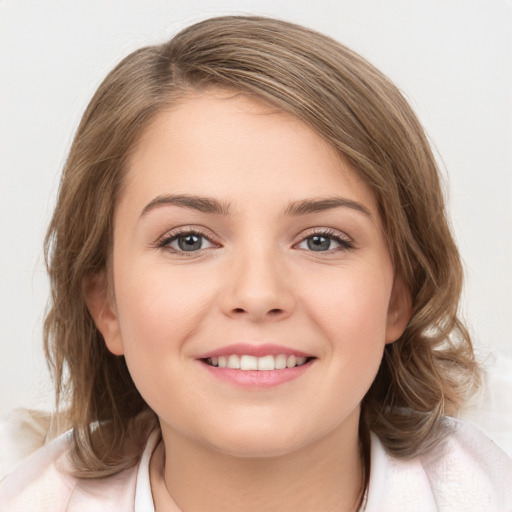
246 362
256 366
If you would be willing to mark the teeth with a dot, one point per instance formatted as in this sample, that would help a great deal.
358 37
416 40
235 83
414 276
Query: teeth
234 362
248 363
280 362
265 363
290 362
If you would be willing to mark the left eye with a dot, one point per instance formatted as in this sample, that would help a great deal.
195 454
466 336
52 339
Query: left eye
188 242
323 242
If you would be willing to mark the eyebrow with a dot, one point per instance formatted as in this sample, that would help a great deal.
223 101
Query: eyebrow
211 205
202 204
306 206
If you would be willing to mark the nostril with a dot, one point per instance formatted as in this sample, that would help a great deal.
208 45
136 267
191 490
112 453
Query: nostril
238 310
275 311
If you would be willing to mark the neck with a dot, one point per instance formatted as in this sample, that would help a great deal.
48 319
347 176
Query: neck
324 476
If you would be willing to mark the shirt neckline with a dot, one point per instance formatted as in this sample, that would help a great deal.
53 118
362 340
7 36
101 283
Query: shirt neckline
143 495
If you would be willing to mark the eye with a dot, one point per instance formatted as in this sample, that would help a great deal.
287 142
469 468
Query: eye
325 242
188 241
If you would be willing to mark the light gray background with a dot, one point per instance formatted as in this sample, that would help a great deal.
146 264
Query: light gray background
451 58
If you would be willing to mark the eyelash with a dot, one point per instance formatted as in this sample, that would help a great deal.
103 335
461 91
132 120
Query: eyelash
345 244
165 242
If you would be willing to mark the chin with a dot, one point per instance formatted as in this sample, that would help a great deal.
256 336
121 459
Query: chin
253 440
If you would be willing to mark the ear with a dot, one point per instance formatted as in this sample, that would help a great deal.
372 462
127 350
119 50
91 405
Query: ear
399 310
101 306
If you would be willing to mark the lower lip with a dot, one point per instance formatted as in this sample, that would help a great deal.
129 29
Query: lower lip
257 378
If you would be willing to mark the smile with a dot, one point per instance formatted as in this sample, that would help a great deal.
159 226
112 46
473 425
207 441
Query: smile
256 366
248 362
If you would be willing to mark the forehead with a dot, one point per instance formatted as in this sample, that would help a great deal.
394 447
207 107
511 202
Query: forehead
224 142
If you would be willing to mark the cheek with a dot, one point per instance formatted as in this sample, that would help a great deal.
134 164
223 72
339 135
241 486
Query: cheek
159 309
356 298
157 315
352 313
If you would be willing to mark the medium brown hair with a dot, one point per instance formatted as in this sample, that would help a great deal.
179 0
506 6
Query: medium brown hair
356 109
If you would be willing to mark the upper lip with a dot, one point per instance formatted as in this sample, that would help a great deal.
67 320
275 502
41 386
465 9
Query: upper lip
259 350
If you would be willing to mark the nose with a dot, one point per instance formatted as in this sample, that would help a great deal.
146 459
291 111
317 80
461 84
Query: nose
258 289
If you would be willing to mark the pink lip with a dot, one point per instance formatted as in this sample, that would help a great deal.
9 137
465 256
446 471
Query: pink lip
256 379
266 349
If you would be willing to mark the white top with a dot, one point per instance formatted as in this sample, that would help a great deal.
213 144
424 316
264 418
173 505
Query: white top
143 496
467 472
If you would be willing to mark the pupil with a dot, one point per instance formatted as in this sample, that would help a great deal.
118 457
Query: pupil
189 242
319 243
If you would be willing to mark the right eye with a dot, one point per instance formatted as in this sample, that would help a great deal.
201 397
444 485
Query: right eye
189 241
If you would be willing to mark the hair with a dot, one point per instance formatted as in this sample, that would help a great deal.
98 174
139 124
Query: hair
423 376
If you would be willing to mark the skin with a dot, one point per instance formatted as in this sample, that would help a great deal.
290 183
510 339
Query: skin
255 280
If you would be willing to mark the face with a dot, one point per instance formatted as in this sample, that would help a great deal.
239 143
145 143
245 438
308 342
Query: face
242 239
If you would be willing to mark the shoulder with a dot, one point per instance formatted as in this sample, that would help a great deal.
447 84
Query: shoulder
45 478
39 479
468 469
465 471
22 432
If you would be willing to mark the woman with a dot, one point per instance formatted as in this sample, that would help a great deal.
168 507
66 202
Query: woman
255 292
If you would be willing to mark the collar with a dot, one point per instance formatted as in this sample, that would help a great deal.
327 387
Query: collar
143 495
397 484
